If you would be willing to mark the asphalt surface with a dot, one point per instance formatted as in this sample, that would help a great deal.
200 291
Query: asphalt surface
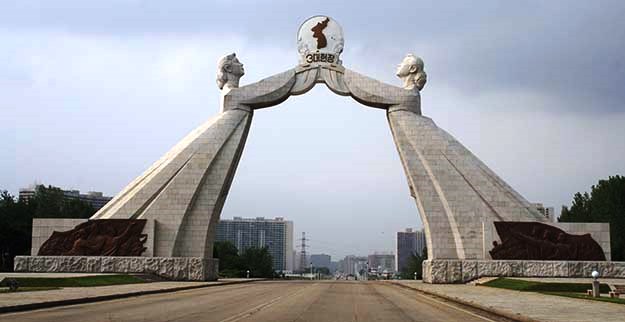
269 301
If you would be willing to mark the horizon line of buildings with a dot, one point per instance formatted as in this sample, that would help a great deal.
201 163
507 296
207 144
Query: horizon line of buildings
96 199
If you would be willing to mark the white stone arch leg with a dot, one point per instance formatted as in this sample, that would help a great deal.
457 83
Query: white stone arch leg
197 231
185 190
424 187
456 193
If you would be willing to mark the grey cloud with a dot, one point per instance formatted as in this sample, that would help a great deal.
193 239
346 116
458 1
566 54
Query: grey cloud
572 48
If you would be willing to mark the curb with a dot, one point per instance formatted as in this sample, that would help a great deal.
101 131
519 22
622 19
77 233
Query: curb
50 304
487 309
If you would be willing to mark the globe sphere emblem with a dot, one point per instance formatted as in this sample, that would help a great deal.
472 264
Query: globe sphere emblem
320 40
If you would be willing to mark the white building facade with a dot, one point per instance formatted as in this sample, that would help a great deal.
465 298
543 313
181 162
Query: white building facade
275 234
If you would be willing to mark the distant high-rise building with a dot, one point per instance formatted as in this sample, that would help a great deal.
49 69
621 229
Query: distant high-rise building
380 262
353 265
96 199
408 242
548 212
321 260
275 234
420 242
340 266
334 265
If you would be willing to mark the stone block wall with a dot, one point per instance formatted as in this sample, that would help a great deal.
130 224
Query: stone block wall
172 268
441 271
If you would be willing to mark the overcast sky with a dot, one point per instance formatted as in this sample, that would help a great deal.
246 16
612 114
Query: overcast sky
93 92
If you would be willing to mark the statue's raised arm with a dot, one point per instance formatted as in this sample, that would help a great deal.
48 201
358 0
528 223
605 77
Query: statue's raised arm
264 93
374 93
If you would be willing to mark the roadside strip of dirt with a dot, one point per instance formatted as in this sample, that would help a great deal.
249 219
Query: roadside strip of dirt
107 297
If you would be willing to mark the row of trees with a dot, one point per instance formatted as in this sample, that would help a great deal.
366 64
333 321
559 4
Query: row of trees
604 203
16 218
324 271
257 261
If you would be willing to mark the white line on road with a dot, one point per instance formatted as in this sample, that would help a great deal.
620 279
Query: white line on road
447 304
258 308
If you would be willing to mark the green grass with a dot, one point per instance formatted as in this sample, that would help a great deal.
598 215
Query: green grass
586 297
573 290
84 281
531 286
28 289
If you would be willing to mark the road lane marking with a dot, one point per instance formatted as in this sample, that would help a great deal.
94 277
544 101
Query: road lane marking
260 307
402 311
441 302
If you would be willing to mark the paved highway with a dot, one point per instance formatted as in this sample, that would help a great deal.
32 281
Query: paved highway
269 301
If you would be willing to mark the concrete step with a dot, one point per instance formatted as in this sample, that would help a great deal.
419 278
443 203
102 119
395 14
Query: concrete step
482 280
619 288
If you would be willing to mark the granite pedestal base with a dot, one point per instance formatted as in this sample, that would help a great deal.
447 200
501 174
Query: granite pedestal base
172 268
449 271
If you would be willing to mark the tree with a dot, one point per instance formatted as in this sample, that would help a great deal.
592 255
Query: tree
232 264
258 261
51 202
16 219
48 202
323 270
605 203
415 265
227 254
15 229
579 211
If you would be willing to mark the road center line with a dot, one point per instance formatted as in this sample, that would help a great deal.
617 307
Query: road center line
260 307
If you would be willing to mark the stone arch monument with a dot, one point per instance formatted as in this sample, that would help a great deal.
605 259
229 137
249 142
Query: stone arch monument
458 197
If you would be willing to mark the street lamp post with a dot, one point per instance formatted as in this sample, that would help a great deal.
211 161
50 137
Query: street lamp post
415 276
248 273
595 284
311 271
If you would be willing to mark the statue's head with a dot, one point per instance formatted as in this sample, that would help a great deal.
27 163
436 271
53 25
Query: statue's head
229 71
411 72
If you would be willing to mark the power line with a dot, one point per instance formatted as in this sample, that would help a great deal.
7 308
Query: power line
303 246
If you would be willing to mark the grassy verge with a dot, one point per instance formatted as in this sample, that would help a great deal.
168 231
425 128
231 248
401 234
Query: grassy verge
532 286
28 289
586 297
573 290
84 281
